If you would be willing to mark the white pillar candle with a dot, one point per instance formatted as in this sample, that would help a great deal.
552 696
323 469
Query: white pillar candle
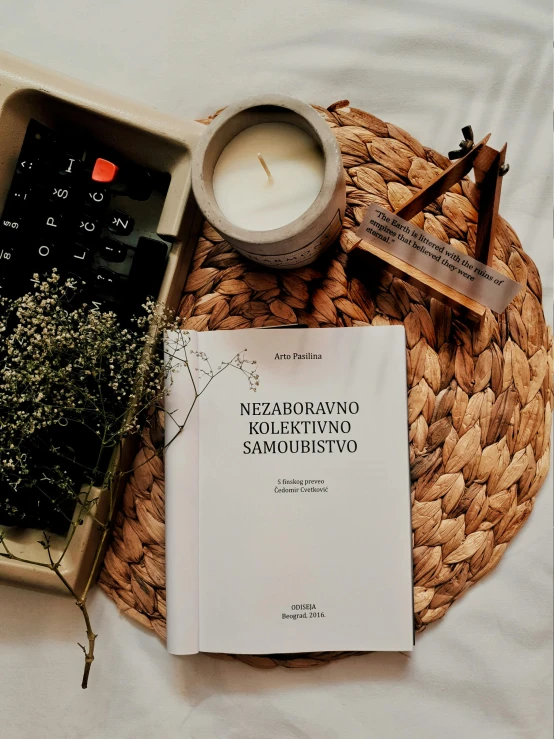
244 192
267 174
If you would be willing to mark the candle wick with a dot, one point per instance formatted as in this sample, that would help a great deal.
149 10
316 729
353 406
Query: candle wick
264 165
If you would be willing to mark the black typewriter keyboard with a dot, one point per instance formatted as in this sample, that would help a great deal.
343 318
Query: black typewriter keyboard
77 207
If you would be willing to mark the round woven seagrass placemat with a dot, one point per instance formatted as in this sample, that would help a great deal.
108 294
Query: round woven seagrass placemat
479 396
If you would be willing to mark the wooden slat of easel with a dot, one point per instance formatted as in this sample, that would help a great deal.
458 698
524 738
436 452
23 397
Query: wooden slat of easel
489 167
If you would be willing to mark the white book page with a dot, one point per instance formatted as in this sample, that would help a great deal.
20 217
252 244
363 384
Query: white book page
306 551
181 496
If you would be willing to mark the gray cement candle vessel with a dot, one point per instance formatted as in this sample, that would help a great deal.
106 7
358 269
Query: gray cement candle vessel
301 241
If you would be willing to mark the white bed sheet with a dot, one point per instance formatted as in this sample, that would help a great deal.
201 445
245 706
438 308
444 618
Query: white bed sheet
430 66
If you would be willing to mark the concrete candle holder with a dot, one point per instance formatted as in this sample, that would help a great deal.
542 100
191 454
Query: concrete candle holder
301 240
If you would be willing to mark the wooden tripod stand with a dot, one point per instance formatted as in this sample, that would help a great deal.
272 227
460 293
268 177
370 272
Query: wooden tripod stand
489 167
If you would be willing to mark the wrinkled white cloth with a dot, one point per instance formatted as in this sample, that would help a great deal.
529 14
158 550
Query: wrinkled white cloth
429 66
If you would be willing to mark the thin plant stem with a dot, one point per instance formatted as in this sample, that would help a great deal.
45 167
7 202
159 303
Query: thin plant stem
86 400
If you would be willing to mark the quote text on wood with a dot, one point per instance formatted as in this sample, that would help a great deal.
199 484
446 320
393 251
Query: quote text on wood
437 258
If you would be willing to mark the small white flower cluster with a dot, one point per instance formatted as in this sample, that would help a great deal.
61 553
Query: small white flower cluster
60 364
251 372
248 367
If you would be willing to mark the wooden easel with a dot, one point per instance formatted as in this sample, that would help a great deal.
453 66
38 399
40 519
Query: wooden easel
489 166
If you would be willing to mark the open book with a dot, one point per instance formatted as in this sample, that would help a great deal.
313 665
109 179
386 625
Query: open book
288 524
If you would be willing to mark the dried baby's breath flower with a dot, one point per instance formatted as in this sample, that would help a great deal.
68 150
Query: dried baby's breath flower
64 365
72 381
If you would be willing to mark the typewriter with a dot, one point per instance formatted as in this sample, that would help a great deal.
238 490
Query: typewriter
77 207
97 187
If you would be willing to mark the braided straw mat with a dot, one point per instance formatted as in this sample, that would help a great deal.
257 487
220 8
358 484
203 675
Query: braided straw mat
479 397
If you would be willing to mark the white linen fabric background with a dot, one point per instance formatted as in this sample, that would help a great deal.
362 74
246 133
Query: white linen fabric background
429 66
